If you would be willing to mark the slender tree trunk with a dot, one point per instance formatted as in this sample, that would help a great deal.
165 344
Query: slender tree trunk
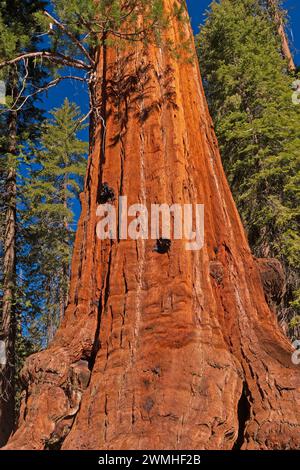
8 320
285 48
161 351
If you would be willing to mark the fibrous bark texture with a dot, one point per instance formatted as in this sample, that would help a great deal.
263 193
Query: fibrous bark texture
161 351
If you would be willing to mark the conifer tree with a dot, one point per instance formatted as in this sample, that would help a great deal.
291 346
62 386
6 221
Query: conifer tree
249 90
50 197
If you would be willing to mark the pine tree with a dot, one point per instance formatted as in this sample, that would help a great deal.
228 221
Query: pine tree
17 23
50 192
249 91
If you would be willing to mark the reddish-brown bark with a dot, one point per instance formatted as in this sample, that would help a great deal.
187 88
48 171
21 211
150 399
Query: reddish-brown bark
172 351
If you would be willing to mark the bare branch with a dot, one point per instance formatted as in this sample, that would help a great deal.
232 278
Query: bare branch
41 90
81 120
71 36
53 57
23 82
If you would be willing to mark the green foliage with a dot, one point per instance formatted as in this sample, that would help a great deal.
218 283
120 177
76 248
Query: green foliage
17 25
295 321
115 21
18 34
258 127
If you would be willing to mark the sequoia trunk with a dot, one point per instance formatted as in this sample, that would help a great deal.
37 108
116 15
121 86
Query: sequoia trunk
161 351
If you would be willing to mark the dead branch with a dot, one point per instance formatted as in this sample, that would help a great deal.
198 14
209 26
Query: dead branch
41 90
51 56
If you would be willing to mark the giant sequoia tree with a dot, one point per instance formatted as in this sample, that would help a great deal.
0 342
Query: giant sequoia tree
176 350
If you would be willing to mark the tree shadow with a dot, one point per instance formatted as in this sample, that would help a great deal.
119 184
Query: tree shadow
130 88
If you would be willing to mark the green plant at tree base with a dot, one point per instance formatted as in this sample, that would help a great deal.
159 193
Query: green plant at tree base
295 321
249 91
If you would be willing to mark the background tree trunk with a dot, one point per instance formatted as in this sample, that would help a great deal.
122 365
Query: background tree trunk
173 351
8 319
285 47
